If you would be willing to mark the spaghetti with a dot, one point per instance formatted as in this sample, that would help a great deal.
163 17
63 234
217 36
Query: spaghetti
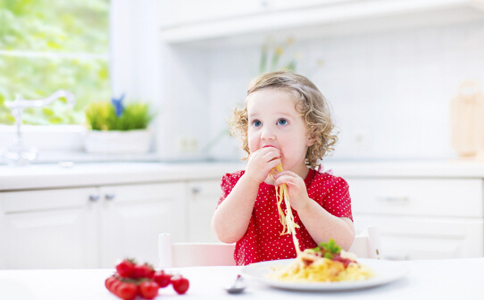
320 265
287 219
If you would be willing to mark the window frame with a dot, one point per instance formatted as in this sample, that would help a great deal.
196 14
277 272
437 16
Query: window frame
63 141
134 46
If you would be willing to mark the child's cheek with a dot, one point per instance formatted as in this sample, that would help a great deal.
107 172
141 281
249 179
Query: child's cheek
253 145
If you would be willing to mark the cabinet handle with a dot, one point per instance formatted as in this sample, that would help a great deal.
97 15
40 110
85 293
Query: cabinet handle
109 197
93 198
394 199
397 257
196 190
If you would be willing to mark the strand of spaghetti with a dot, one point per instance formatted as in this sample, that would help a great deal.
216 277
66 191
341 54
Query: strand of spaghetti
279 199
282 217
290 220
287 219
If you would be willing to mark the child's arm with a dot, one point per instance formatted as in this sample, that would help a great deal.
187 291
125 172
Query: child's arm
320 224
232 217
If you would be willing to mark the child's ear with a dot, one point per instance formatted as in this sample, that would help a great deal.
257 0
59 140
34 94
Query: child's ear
311 138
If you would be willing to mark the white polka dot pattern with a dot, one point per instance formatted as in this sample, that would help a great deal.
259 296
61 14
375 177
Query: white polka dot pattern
262 240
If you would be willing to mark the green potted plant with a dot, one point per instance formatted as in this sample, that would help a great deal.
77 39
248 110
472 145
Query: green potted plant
115 128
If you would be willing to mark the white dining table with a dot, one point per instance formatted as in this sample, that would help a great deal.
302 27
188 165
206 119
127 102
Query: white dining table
426 279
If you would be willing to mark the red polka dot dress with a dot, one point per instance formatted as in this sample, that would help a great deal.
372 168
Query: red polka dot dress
262 240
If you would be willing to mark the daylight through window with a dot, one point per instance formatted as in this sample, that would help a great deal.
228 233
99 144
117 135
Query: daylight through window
47 45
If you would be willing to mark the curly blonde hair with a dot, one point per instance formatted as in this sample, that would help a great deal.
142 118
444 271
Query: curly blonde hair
312 105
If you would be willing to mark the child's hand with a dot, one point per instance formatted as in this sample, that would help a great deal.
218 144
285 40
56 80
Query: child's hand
296 188
261 162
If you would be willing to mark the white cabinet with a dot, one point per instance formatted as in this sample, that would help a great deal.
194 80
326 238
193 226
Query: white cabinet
422 218
182 12
185 21
418 197
202 203
49 229
3 234
179 13
134 215
406 238
88 227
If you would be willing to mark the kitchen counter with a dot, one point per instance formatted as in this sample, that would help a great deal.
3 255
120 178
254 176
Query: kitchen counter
413 169
427 279
89 174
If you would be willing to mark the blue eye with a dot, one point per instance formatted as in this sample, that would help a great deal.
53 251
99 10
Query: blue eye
257 123
282 122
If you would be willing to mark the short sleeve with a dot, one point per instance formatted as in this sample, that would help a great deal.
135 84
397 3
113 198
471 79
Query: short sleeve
334 196
338 201
227 184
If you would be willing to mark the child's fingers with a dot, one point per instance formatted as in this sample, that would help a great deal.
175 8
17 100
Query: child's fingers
290 183
274 163
270 157
266 154
272 153
263 156
287 179
286 173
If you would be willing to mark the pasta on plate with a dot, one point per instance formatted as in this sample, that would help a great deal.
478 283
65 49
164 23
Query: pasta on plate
325 263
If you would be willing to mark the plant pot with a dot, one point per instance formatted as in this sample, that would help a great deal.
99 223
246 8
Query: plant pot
117 142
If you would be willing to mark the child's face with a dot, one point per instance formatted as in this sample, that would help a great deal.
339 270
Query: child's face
274 120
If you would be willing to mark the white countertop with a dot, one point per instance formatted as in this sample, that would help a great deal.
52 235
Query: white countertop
413 169
95 174
427 279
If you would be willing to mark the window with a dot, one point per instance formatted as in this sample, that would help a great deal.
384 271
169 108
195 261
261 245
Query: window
47 45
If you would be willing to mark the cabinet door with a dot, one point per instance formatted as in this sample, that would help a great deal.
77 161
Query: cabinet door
3 236
408 238
201 206
50 229
134 215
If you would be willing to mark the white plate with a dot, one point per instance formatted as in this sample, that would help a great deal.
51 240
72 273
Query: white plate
385 272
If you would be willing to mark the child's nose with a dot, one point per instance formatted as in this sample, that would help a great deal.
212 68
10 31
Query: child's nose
268 134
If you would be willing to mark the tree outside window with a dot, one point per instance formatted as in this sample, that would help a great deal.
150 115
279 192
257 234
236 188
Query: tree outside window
47 45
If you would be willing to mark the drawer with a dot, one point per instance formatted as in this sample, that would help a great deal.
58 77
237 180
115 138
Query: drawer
142 192
23 201
409 238
417 197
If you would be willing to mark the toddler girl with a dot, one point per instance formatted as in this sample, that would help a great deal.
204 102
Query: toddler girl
285 120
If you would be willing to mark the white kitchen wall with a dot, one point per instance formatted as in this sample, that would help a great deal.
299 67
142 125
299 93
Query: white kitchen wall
185 105
134 50
390 91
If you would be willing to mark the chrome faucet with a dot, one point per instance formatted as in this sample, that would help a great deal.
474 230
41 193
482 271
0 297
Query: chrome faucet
20 154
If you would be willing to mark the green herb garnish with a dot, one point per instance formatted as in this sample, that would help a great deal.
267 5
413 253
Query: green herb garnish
328 249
